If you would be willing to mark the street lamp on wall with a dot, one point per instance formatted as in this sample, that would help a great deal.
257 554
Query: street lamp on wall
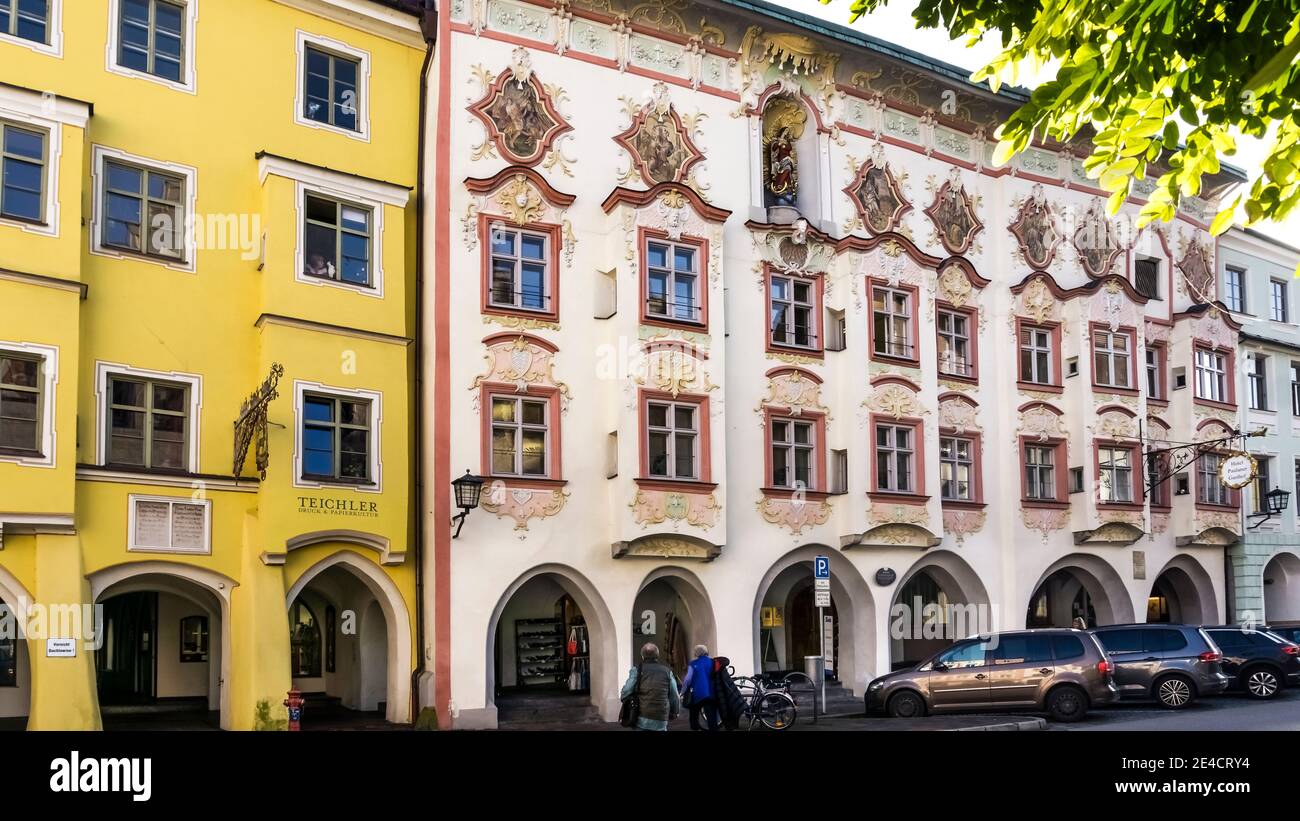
467 489
1275 501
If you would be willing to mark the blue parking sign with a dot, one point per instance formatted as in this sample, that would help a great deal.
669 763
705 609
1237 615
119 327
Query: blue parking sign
822 567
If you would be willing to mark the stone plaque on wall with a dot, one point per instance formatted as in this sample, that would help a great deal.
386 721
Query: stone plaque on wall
1139 564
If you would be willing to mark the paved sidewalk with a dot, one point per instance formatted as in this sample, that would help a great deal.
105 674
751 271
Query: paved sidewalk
849 723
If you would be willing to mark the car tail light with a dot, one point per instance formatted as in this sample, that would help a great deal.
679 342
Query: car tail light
1210 655
1106 668
1291 650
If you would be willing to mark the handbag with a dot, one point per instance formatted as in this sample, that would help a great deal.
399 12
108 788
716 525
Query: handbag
573 642
631 709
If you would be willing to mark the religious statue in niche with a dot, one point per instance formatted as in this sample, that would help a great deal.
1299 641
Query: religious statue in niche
876 195
1035 228
953 215
518 113
659 142
783 124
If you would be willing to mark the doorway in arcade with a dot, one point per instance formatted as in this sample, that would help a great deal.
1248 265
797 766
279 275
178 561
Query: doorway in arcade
543 653
663 617
791 628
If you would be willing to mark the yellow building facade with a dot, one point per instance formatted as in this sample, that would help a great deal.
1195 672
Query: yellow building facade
207 274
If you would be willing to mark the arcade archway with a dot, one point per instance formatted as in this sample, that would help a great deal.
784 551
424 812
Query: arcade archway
1282 588
672 610
1079 586
1182 593
939 600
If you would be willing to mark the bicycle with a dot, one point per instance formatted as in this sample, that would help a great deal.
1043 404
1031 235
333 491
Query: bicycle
767 702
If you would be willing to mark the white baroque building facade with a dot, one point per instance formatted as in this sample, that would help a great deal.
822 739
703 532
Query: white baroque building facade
685 372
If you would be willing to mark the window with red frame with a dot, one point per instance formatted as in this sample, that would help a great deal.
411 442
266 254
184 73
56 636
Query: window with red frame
956 342
1114 474
892 313
895 458
793 307
520 275
1211 375
1210 490
672 439
673 281
794 453
1037 352
1041 472
1155 371
1158 465
1112 358
957 468
520 436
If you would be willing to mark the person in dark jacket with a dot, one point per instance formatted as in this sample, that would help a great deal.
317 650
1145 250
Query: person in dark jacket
697 689
730 703
656 687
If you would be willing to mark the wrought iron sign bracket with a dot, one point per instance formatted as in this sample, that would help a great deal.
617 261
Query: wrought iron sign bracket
1182 456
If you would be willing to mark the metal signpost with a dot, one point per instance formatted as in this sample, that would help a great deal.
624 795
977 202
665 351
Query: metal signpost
822 593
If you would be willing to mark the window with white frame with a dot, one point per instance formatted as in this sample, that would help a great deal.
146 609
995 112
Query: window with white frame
338 237
1257 380
1295 388
956 469
144 210
794 447
26 19
21 401
895 458
169 525
1040 472
331 90
1112 357
1211 375
1263 482
1210 490
1279 309
520 262
673 440
1036 355
793 311
24 156
148 423
336 438
1234 289
1155 375
954 343
151 38
520 436
1114 474
891 325
673 281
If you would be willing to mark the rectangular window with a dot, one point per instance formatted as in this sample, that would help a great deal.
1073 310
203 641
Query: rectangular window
794 448
1295 388
336 437
892 322
331 89
1036 355
23 158
194 639
519 269
1040 473
1257 380
895 458
337 237
1234 289
1115 474
163 524
793 312
20 404
151 38
26 20
956 469
1279 310
1111 358
144 210
1210 490
1155 373
1263 482
955 353
1158 465
148 423
840 471
1146 277
520 434
8 651
1211 375
673 281
673 433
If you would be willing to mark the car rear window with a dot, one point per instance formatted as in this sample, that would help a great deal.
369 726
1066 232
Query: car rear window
1264 640
1230 639
1025 649
1121 641
1160 641
1067 647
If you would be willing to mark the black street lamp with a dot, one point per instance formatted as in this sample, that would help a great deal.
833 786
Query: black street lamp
467 489
1275 501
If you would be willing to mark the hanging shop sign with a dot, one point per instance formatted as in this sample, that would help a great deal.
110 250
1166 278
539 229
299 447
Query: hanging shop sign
1238 470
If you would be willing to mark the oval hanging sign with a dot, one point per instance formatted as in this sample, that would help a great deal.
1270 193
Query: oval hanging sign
1238 470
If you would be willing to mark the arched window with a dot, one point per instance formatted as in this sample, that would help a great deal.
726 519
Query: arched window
304 641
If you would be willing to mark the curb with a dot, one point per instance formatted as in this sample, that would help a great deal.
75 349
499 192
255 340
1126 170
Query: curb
1026 725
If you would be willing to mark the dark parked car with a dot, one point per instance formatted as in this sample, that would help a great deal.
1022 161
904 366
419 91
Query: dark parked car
1172 663
1290 632
1060 672
1259 661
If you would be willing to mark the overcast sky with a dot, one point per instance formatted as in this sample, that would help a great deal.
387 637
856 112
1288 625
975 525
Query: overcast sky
895 23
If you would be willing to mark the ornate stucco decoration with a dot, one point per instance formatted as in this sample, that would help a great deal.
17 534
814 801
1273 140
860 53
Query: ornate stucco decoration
1095 242
520 201
792 391
521 361
1197 271
1213 528
675 209
958 414
794 252
1113 424
953 215
954 287
523 504
1044 521
674 370
667 546
518 196
653 507
795 64
1109 533
1111 306
962 523
1038 303
1035 229
519 116
794 514
895 400
658 140
1227 417
877 194
887 513
894 535
1042 423
1156 332
1211 327
1159 523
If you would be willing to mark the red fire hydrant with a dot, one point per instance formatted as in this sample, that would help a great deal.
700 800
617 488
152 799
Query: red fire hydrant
294 703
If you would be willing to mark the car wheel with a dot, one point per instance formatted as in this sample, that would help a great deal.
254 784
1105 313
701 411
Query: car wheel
1174 692
1261 682
906 705
1067 704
